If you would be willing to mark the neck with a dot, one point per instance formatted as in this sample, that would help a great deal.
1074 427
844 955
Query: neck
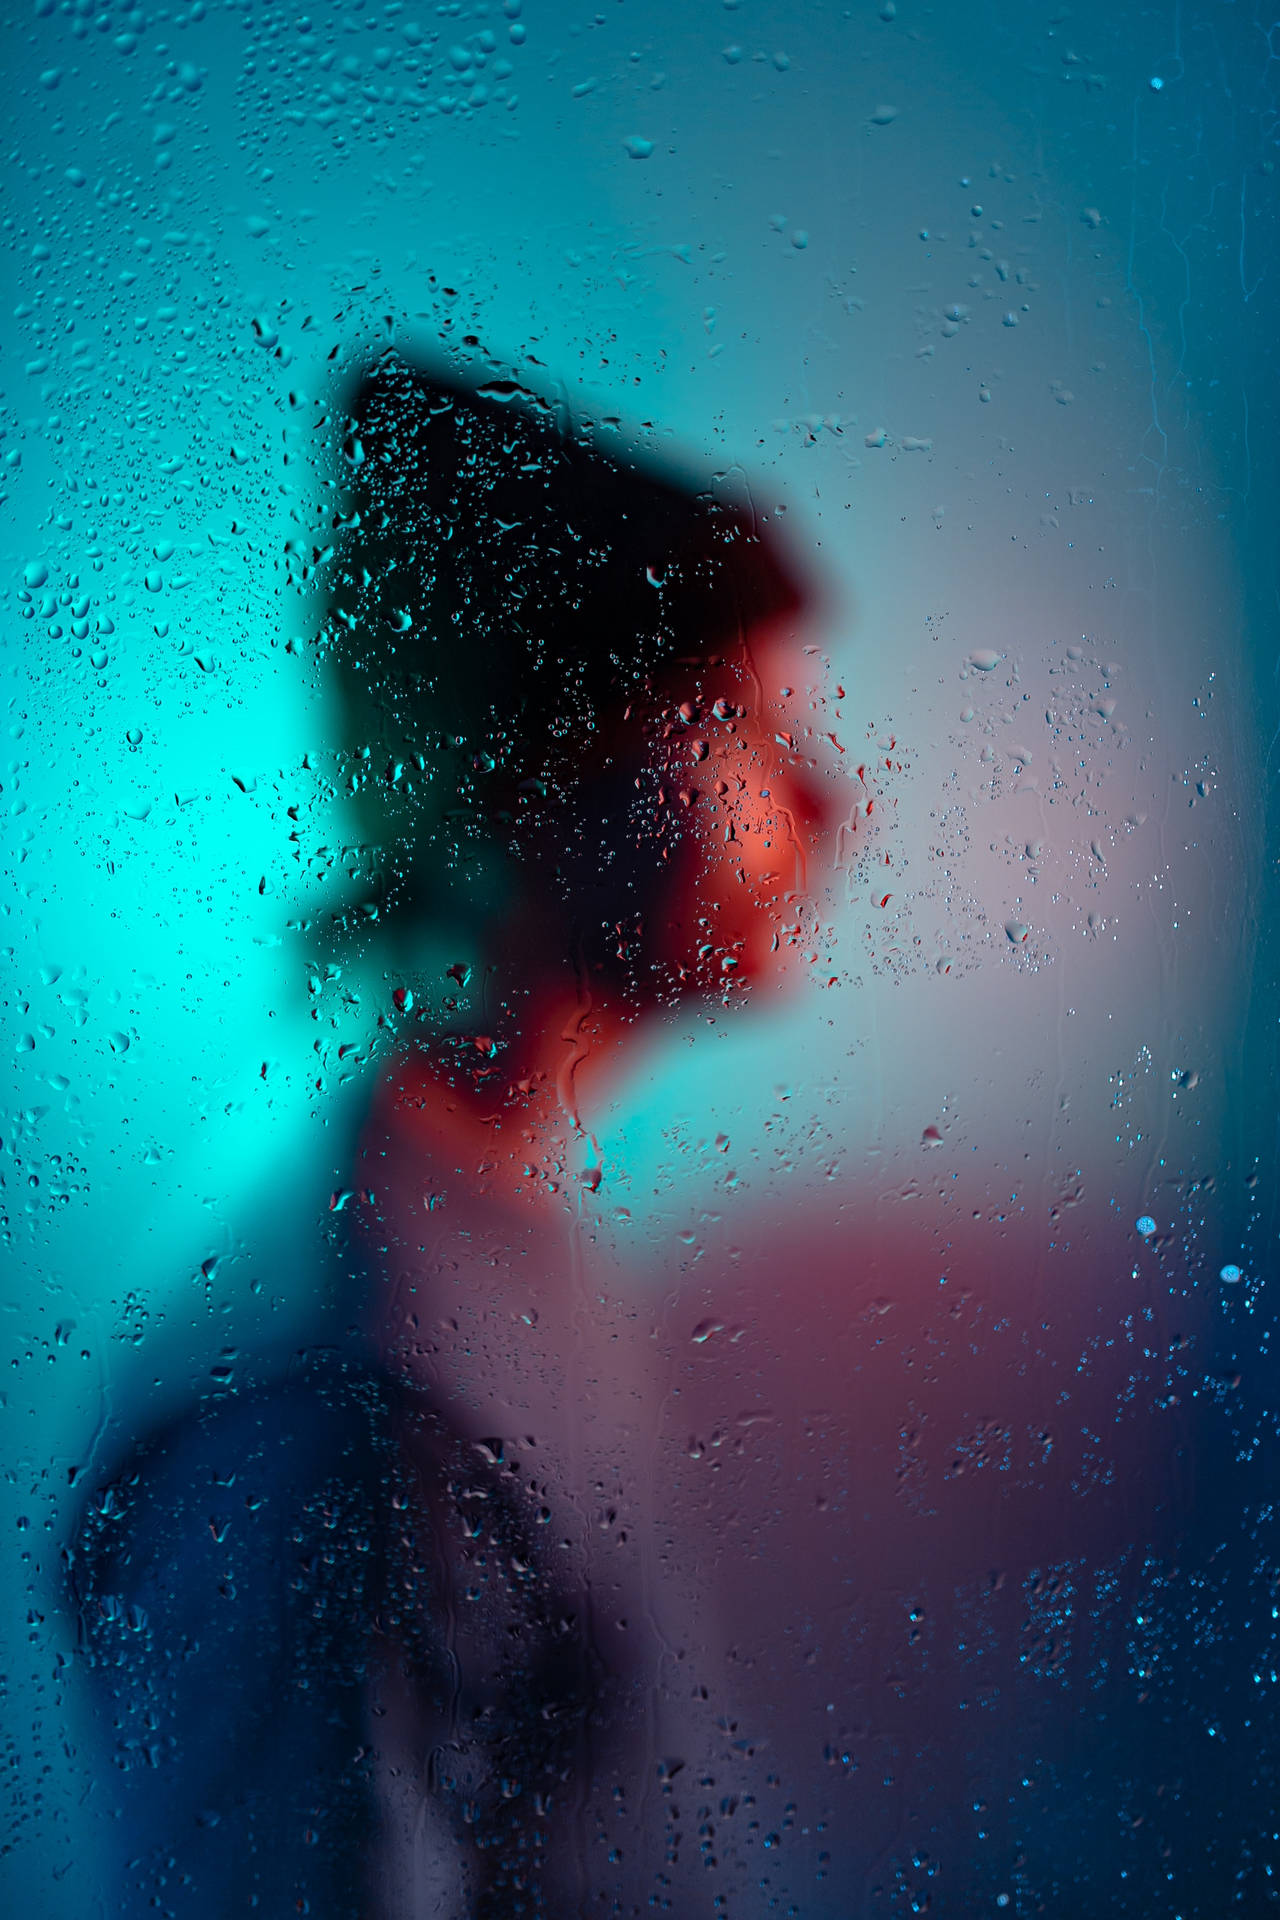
505 1123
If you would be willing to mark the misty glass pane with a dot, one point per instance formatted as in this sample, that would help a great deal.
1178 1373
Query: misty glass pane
639 1176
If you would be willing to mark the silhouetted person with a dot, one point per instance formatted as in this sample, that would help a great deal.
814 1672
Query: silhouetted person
355 1657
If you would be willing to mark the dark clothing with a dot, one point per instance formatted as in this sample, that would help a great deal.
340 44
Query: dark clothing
250 1586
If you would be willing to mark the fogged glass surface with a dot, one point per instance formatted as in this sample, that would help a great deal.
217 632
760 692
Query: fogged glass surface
639 1177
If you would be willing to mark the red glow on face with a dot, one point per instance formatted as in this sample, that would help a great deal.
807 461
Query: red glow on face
759 817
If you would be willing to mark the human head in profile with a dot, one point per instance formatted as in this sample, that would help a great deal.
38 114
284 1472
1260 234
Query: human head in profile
571 694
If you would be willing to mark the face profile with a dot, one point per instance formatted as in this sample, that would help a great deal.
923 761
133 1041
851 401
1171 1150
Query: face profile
576 739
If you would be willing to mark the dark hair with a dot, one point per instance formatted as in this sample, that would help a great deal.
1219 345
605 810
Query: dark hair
510 585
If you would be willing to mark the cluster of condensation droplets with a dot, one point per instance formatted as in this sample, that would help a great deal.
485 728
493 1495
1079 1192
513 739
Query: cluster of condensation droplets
1231 1274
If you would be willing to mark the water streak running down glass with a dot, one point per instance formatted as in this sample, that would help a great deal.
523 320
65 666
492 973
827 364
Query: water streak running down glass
639 1180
